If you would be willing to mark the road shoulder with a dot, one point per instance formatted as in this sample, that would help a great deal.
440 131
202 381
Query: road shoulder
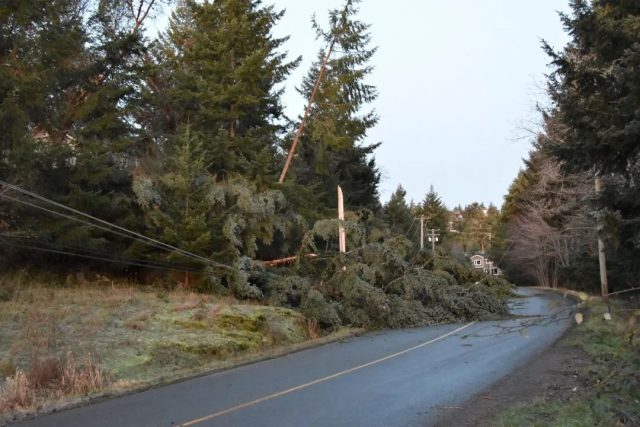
551 375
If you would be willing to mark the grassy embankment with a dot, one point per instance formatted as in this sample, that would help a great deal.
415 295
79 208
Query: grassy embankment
59 343
609 394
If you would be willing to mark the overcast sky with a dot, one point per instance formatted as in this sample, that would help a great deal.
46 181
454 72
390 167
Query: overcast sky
458 80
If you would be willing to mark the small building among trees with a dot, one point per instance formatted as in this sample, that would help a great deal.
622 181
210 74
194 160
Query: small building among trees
483 262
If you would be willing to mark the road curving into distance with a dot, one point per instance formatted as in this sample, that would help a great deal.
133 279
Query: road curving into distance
404 377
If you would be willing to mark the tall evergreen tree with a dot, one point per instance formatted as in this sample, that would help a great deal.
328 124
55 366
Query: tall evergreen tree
176 204
223 69
74 72
596 95
223 219
397 213
435 211
475 233
333 150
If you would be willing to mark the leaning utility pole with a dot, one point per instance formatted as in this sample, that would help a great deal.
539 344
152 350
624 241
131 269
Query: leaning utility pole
604 283
303 123
421 232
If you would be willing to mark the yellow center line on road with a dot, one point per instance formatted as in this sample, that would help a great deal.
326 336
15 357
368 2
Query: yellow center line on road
320 380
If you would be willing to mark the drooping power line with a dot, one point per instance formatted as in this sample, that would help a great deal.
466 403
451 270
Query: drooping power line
123 261
106 226
72 250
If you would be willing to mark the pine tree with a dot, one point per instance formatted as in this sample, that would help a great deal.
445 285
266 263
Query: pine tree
333 150
435 211
75 73
42 48
224 66
222 219
476 233
397 213
176 203
596 93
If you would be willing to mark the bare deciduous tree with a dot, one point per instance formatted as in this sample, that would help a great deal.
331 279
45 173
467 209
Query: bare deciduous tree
552 227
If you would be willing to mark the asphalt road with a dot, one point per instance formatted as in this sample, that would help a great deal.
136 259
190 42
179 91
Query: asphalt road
392 378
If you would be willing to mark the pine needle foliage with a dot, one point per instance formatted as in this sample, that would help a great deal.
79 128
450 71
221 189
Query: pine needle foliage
333 150
382 285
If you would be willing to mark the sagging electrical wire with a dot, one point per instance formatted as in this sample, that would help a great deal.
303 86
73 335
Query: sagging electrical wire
123 261
82 252
123 232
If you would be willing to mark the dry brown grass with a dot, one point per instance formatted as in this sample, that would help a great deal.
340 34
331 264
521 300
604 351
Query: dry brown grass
50 379
190 302
138 320
16 393
82 378
75 338
44 372
313 330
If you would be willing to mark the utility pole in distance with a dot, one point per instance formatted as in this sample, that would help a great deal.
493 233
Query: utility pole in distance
422 220
433 238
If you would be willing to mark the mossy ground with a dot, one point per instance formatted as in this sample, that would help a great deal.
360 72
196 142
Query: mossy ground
137 336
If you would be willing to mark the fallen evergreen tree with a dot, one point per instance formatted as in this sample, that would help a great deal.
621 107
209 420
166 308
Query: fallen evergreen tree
385 284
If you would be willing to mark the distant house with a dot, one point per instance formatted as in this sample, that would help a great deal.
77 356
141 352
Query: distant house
483 262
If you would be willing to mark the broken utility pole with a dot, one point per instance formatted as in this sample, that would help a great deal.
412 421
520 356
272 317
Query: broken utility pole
421 232
300 130
604 283
342 235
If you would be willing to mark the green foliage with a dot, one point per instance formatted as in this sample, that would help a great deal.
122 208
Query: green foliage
71 77
476 230
460 273
396 212
596 93
361 304
377 285
332 151
222 66
289 291
315 306
180 139
496 286
221 219
436 213
176 202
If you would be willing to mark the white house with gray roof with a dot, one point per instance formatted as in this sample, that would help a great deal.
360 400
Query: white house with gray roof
483 262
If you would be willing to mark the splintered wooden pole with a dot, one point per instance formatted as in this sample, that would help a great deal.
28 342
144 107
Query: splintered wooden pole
421 232
296 139
342 235
604 282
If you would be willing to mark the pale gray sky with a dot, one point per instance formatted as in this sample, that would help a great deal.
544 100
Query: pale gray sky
458 80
